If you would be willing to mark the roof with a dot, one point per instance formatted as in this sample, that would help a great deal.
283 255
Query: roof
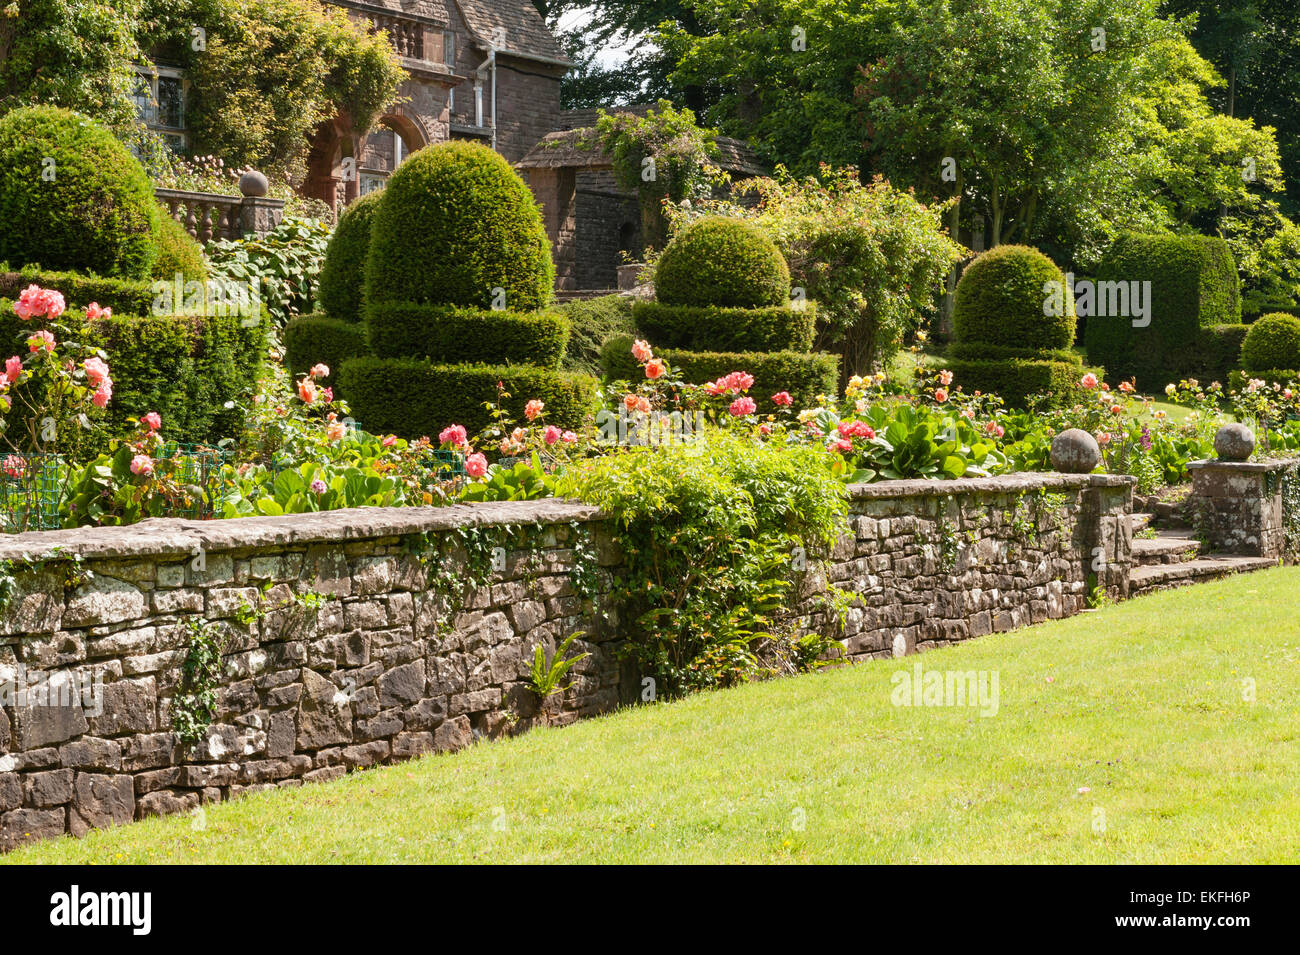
578 148
526 33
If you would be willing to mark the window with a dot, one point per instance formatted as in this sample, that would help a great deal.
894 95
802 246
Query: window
449 49
159 97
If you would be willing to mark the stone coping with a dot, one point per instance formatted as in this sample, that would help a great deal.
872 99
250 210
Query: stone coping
1249 467
179 538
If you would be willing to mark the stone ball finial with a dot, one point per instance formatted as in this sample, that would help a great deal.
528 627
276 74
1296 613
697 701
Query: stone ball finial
1075 452
1234 442
253 184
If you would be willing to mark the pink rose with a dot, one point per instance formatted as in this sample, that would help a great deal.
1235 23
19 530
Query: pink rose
93 312
307 390
569 437
335 430
41 340
742 406
96 370
14 369
533 409
641 351
103 394
842 445
945 377
320 371
1089 380
552 435
142 464
940 395
783 399
476 465
655 369
454 436
765 429
152 420
389 441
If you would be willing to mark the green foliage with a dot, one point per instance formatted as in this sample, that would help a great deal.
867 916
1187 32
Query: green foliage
546 677
285 264
717 261
1015 380
1272 342
1194 285
194 705
1002 297
525 480
591 321
456 222
343 273
915 442
178 252
1213 353
314 339
709 531
805 376
92 210
414 398
123 296
715 328
447 333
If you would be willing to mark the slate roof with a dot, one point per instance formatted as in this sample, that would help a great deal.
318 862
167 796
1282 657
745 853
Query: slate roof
526 31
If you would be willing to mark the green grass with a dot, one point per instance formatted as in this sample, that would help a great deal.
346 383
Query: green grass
1135 712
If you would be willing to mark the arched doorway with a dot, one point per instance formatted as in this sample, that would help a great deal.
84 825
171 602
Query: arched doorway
384 148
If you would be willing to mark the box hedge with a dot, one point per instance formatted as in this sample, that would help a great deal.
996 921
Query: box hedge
447 333
123 296
1194 286
315 338
1273 341
725 262
715 328
804 375
343 273
1001 298
1016 379
178 252
412 398
591 321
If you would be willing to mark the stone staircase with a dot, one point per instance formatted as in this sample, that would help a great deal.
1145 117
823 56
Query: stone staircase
1173 558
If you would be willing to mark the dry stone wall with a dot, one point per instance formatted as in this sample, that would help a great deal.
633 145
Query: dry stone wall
346 643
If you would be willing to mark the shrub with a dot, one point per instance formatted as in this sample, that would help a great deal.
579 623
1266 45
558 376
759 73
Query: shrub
1212 354
92 210
1272 342
454 223
1000 301
805 376
123 296
980 351
312 339
591 321
721 261
285 263
714 328
414 398
343 273
1194 285
467 335
1015 380
178 252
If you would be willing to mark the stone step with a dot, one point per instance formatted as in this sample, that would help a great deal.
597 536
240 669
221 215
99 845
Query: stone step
1153 577
1140 520
1170 547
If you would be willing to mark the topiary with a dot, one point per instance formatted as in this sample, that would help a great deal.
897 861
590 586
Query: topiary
722 261
178 252
455 223
459 335
315 339
1272 342
73 197
591 321
343 273
714 328
1004 298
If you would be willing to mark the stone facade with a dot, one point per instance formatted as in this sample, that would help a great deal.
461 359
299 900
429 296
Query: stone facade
342 650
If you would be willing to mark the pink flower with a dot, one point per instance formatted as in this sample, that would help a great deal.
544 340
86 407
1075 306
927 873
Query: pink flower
320 370
742 406
1001 431
35 301
142 464
14 369
476 465
990 427
327 395
940 395
389 441
14 466
569 437
454 436
93 312
765 429
641 351
945 377
741 380
655 368
318 486
307 390
783 399
1089 380
842 445
533 409
968 413
1103 439
335 430
855 429
96 370
103 394
1116 409
152 420
552 435
41 340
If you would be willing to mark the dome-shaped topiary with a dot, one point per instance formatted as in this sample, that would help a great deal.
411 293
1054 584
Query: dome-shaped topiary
1272 342
724 262
178 252
1006 298
343 273
454 224
72 196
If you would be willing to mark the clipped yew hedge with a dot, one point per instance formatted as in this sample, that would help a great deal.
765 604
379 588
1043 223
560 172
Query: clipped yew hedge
343 273
313 339
722 261
715 328
1015 380
447 333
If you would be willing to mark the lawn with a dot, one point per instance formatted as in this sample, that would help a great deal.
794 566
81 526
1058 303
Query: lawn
1121 735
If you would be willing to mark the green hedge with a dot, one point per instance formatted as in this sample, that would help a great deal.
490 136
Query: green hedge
414 398
123 296
73 197
455 222
343 273
804 375
713 328
1272 342
1000 300
1016 379
980 351
1194 285
591 321
310 339
1286 377
445 333
178 251
725 262
198 373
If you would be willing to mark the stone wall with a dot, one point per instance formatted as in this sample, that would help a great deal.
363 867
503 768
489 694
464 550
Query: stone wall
1246 507
345 647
